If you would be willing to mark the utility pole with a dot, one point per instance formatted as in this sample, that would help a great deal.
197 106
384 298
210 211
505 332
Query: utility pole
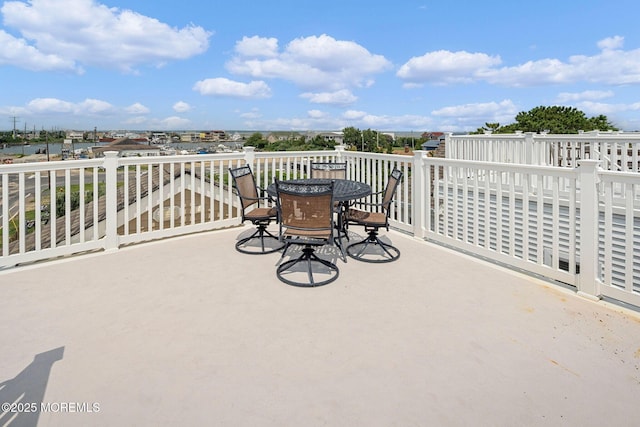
15 120
46 139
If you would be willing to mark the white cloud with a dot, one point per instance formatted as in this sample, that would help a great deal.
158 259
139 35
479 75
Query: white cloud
340 97
181 107
137 108
58 106
253 114
62 34
168 123
471 116
611 43
257 46
316 62
95 106
316 119
591 108
316 114
229 88
444 67
17 52
50 105
477 109
565 97
611 66
173 122
382 122
354 115
138 120
63 111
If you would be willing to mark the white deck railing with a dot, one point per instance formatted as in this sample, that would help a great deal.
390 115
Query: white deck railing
578 225
617 151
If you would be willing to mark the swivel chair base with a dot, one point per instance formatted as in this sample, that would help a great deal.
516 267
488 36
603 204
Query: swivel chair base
308 257
261 234
358 250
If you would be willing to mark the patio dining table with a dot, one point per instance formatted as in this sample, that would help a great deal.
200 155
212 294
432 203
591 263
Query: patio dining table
343 189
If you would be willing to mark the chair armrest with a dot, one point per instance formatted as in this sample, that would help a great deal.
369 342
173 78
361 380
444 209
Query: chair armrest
263 191
357 202
363 204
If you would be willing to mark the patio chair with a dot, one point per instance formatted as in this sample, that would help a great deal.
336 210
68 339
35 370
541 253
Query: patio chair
306 218
330 170
260 216
372 220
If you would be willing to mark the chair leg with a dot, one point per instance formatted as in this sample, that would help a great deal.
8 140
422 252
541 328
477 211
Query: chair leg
342 221
261 233
308 257
392 253
341 247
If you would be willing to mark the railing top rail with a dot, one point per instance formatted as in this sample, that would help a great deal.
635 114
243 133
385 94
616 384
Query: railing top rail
180 158
500 167
489 136
360 154
632 137
267 154
52 165
618 176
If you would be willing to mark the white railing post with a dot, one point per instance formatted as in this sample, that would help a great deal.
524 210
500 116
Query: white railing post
588 279
339 152
448 145
111 200
249 155
418 196
536 149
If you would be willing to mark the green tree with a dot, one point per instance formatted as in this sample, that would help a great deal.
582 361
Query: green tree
256 140
351 136
369 141
554 119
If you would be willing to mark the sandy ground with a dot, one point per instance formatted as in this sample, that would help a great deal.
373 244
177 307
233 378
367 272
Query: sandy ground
4 158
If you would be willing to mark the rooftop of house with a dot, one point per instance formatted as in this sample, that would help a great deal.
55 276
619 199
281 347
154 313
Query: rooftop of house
187 331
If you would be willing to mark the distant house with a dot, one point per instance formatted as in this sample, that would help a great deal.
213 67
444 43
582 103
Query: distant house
433 140
432 144
282 136
75 135
128 148
190 137
433 135
336 137
213 136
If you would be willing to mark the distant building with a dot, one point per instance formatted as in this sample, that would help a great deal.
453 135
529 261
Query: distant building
74 135
282 136
434 136
431 144
128 148
435 143
190 137
159 138
213 136
336 137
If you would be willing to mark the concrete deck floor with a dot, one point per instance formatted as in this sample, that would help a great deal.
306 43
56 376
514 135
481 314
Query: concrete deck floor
187 331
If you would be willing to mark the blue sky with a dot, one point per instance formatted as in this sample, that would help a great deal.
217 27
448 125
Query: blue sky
313 65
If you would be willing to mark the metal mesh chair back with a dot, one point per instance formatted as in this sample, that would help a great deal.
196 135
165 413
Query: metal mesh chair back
245 185
372 248
306 210
328 170
261 217
390 189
